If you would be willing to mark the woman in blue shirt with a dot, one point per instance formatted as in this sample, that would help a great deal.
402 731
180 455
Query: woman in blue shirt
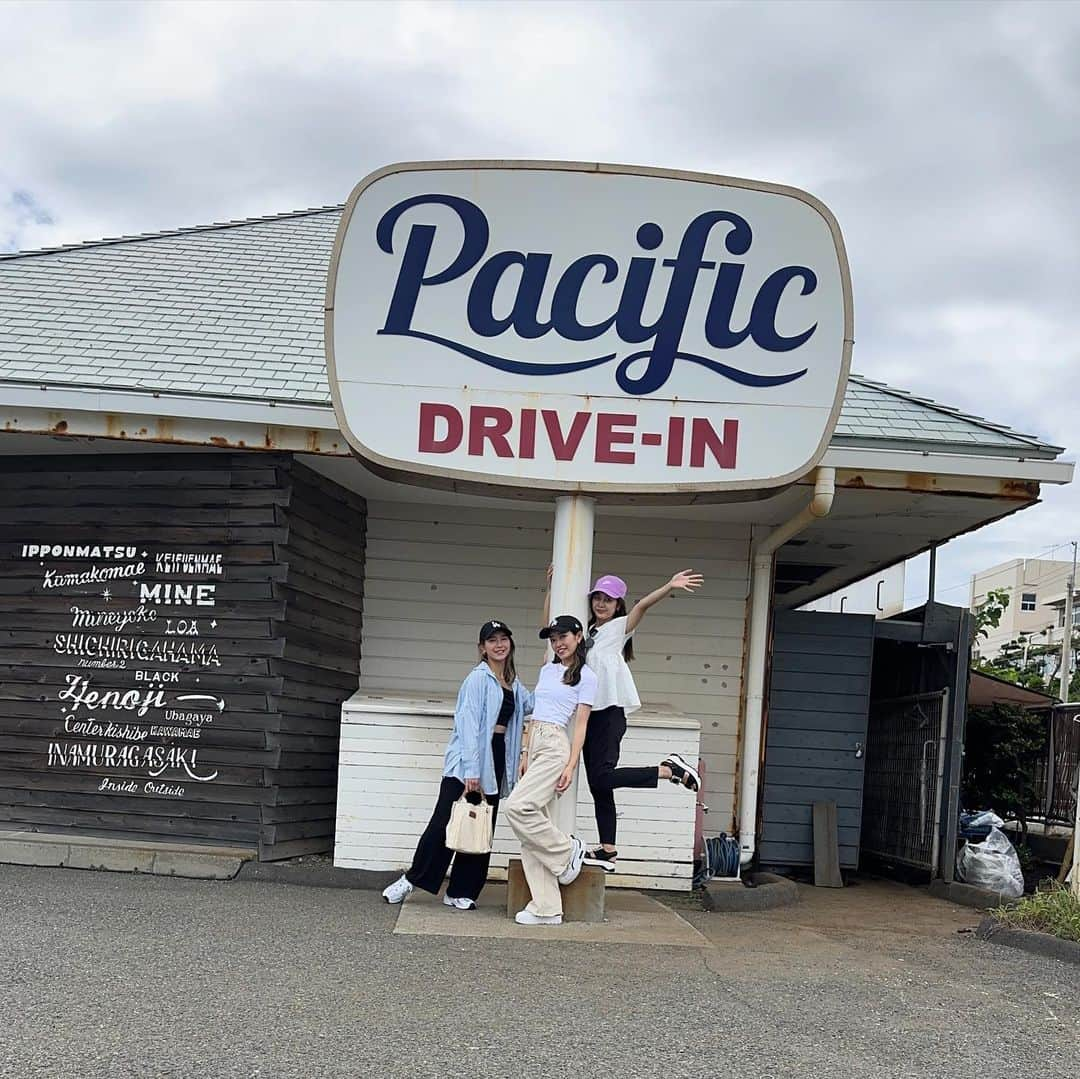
481 758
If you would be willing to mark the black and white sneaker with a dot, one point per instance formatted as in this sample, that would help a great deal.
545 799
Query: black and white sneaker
682 772
573 867
602 859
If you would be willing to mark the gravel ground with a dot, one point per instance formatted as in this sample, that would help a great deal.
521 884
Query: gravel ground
113 975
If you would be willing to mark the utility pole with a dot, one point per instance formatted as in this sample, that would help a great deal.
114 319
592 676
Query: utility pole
1066 663
1066 638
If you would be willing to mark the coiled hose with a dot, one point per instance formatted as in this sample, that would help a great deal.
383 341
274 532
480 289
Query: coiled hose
721 859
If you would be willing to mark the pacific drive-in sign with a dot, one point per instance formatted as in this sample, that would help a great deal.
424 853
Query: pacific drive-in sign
582 327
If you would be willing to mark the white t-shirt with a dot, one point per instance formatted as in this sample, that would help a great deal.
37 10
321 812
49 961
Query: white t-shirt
555 701
615 683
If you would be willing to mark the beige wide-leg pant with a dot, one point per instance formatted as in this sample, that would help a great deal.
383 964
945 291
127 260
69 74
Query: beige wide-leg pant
545 850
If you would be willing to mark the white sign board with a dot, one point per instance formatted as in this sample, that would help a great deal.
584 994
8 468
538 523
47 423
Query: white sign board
587 328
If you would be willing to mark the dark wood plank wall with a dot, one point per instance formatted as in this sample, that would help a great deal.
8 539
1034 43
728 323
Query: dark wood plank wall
819 691
262 649
320 664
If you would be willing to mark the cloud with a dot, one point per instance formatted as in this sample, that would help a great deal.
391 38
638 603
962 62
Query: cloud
20 211
944 137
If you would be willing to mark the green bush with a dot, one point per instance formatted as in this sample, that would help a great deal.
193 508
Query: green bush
1003 746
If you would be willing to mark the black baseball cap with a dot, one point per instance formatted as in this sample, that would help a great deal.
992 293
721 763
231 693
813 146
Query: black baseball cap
565 623
489 629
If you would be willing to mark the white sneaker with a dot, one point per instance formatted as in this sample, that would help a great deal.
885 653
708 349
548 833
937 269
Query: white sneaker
399 891
573 867
458 903
526 917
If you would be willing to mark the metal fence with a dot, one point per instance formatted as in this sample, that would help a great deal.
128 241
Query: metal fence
904 779
1062 761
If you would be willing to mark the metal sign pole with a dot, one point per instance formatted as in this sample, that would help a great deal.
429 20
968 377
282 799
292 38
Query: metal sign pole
571 559
1066 671
1066 637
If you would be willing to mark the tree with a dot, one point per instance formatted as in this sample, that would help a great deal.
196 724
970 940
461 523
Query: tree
1034 663
989 613
1003 746
1029 660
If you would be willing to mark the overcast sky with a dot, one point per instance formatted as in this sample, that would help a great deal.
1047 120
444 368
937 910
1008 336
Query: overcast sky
943 136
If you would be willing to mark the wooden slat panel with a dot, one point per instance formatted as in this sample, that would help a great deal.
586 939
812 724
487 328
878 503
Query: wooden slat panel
819 689
779 793
320 662
434 573
223 505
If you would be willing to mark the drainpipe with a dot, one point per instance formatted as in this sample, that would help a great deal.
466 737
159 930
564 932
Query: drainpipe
761 581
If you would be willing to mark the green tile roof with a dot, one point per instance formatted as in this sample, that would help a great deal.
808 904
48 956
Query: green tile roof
236 309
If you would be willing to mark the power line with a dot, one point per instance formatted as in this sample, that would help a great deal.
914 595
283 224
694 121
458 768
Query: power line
953 587
1048 551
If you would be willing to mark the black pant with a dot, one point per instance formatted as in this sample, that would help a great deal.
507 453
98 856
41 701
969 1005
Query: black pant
432 857
603 736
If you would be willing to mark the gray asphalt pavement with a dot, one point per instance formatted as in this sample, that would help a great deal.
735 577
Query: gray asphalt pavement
108 975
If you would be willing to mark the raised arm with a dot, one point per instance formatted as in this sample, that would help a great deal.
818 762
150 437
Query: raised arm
685 581
545 615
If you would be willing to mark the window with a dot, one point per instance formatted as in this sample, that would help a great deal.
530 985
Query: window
1027 601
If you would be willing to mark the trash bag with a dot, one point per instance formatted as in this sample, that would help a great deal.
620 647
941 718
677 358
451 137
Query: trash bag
977 825
992 865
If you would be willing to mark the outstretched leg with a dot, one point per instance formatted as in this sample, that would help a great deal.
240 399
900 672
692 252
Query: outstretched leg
603 739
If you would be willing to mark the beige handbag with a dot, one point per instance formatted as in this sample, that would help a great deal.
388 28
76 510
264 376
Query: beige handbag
470 828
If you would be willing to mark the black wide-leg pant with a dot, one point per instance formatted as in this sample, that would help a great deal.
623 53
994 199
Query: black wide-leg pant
603 736
432 857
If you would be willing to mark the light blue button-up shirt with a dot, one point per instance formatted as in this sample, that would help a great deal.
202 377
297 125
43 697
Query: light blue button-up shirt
468 755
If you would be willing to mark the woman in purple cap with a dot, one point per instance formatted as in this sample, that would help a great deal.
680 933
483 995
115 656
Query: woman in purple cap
611 629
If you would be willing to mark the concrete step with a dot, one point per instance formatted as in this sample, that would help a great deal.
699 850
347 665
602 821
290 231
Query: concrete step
583 901
62 849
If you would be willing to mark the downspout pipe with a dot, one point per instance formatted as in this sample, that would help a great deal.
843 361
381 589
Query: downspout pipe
761 586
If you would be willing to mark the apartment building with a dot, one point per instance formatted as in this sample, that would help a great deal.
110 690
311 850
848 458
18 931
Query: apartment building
1036 588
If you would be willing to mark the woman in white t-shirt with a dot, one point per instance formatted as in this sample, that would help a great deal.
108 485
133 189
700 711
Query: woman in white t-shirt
563 700
611 629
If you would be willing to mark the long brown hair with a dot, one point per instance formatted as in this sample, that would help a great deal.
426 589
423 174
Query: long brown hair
620 610
509 670
572 674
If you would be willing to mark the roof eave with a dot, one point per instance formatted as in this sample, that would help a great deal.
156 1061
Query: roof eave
1019 447
311 427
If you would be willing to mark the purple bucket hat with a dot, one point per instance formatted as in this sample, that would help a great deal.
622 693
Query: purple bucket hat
610 585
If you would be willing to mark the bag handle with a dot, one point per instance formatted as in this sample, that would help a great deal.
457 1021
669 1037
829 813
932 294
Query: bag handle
465 797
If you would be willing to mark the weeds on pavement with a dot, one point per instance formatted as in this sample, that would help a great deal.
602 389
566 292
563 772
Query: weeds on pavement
1053 909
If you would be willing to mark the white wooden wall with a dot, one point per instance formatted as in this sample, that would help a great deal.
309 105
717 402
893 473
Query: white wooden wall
434 574
391 766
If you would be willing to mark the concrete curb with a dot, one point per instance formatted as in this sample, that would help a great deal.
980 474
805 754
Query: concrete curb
316 874
967 895
1068 951
121 856
769 891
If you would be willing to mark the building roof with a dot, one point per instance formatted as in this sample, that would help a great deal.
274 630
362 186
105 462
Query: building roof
236 310
986 689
